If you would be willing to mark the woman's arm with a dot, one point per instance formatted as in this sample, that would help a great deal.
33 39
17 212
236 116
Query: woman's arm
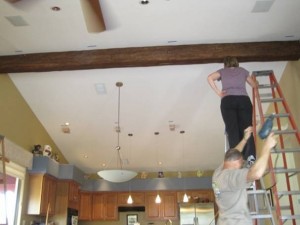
211 80
251 82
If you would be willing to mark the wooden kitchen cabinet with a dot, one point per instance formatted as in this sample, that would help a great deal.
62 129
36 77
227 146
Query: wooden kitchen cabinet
73 195
104 206
42 191
85 205
137 197
167 209
196 196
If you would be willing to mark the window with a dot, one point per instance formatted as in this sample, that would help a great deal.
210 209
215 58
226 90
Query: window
10 203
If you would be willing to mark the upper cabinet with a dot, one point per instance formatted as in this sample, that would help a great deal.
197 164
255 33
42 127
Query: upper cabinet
137 197
167 209
41 197
104 206
85 205
73 195
98 206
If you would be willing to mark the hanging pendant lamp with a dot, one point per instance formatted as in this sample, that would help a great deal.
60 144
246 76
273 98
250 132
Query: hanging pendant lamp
118 175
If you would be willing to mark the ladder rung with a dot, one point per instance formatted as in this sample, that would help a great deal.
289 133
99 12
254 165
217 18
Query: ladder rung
280 193
285 207
283 170
277 115
290 217
262 73
284 131
287 150
262 86
261 216
265 95
271 100
253 192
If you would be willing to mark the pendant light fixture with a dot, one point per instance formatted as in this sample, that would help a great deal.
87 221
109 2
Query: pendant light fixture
118 175
185 197
129 200
157 199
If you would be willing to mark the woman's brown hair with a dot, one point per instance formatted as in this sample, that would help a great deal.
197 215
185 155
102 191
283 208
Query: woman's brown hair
230 61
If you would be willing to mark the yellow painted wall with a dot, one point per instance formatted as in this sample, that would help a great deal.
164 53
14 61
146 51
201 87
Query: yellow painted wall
17 121
290 85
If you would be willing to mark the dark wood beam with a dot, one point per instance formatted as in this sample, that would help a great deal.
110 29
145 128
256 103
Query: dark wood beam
150 56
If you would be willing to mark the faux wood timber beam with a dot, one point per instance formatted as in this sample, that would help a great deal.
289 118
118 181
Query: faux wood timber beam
150 56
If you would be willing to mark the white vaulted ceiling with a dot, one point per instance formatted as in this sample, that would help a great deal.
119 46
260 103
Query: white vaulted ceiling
152 98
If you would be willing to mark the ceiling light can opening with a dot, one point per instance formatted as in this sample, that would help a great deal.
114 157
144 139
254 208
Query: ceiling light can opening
144 2
55 8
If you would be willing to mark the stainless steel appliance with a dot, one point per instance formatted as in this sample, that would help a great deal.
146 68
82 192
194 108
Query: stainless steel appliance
197 214
72 217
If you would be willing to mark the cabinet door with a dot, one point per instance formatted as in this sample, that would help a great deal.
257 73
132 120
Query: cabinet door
111 208
73 196
52 195
105 206
153 211
41 197
98 206
85 206
45 195
73 191
169 205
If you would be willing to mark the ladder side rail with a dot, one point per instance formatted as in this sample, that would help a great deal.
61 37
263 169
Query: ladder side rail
254 111
267 199
4 160
254 94
275 191
273 175
256 98
287 109
276 85
270 163
259 105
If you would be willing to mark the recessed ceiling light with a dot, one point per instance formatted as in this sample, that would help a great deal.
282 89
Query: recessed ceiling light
65 128
144 2
55 8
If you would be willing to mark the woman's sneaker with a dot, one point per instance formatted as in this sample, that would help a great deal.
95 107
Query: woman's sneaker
250 161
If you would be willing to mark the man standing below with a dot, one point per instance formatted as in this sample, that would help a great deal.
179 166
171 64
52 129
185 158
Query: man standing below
230 181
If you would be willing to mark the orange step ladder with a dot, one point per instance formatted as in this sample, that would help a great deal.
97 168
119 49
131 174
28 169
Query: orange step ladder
284 163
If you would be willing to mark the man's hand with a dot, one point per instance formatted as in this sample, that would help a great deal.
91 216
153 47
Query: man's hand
247 133
270 141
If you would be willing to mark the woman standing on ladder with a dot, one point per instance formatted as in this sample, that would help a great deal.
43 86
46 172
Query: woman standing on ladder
236 106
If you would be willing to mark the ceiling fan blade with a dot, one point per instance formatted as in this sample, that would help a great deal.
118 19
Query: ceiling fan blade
93 16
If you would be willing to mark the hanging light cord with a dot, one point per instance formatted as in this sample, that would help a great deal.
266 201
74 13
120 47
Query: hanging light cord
119 85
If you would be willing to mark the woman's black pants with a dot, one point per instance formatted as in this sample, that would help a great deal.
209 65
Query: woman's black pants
237 116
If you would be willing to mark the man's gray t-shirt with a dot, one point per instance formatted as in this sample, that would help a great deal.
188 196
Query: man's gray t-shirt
230 188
